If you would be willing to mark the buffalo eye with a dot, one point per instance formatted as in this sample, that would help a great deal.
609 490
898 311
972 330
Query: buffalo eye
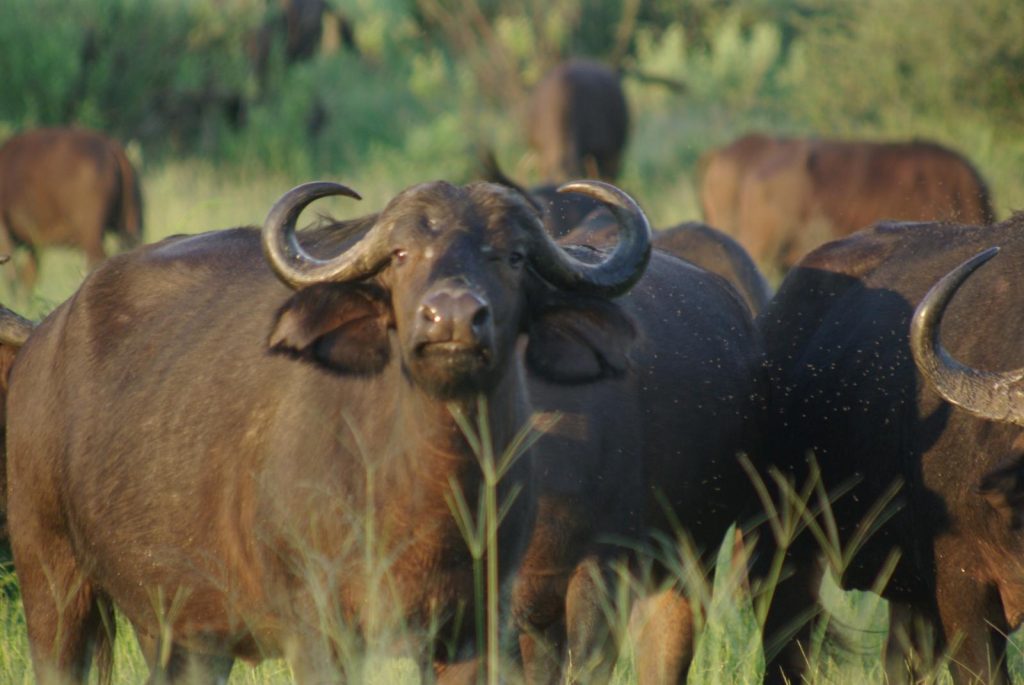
515 259
400 255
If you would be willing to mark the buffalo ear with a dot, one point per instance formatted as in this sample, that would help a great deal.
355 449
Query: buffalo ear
578 339
343 327
1003 489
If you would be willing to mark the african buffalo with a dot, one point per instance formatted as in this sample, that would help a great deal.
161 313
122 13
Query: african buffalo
844 387
638 457
578 121
253 462
665 449
781 197
66 186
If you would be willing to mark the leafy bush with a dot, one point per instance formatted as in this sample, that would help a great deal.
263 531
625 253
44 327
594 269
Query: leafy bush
161 71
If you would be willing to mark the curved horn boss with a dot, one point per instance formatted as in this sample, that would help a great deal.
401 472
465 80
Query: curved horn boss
621 269
298 268
610 277
989 394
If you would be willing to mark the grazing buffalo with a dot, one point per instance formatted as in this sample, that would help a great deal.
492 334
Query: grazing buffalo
66 186
253 462
844 387
781 197
578 121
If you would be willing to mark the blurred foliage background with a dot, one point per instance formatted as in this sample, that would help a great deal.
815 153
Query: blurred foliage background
395 92
428 80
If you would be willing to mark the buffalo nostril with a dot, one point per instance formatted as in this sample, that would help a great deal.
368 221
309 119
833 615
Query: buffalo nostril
430 314
481 317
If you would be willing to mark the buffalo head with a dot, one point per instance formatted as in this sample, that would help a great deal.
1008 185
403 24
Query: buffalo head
446 278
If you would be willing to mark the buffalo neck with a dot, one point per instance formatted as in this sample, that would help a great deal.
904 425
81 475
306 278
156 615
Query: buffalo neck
432 440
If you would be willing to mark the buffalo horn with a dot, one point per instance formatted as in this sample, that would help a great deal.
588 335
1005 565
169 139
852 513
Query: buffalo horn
618 271
14 329
990 395
298 268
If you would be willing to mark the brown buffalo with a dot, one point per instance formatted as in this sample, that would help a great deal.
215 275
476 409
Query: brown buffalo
781 197
720 176
66 186
578 121
256 462
844 386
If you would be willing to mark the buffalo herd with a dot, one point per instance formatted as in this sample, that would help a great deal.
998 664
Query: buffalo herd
269 443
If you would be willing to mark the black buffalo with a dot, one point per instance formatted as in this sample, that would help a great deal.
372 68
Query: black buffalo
845 388
66 186
252 463
578 121
642 458
665 436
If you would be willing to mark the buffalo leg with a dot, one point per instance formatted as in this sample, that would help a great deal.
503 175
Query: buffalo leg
30 272
973 623
313 661
7 254
189 668
592 648
61 609
182 667
538 608
541 652
457 673
95 254
663 637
